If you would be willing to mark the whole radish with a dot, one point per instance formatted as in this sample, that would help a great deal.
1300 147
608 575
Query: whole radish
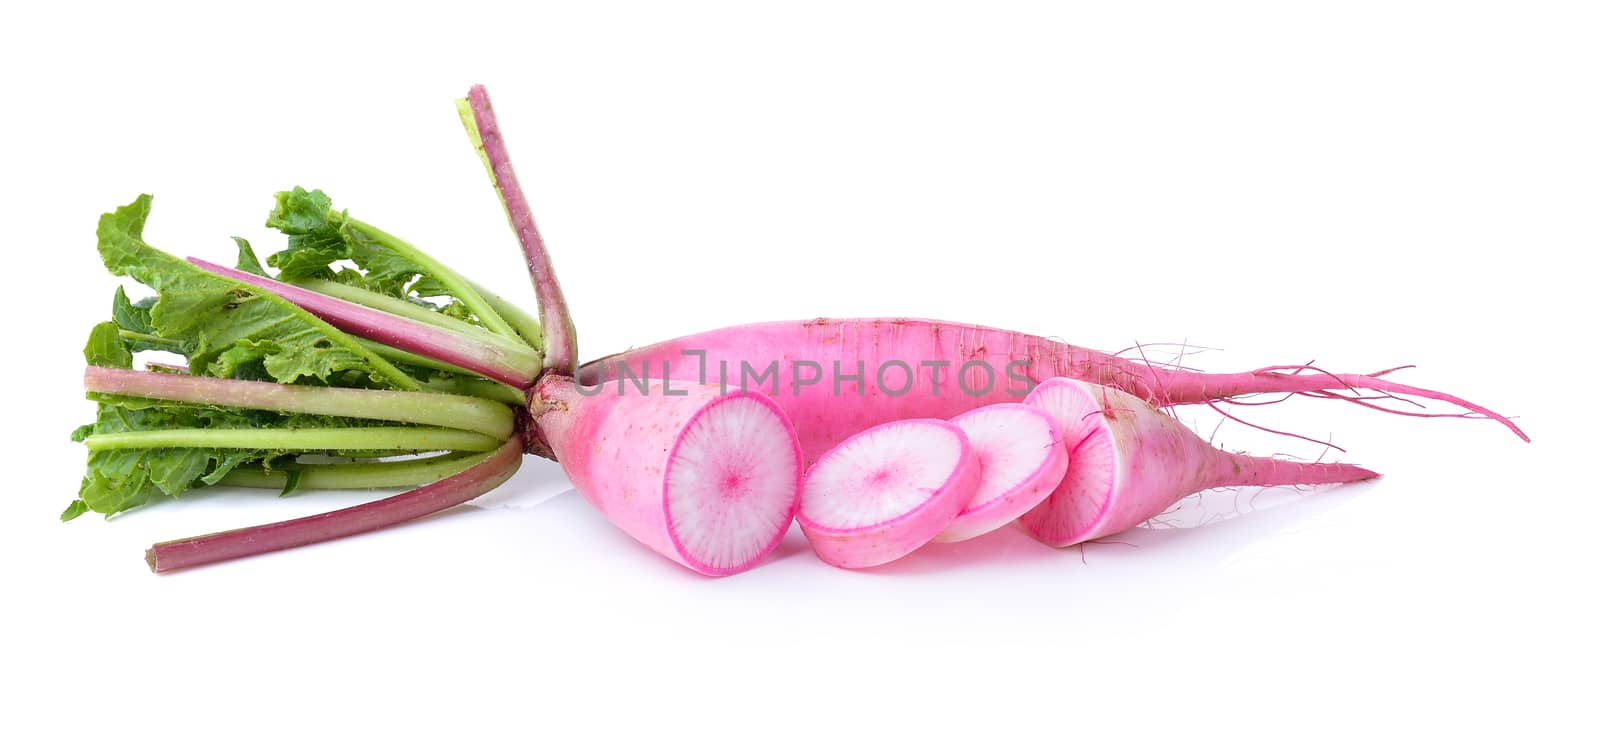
884 492
1130 462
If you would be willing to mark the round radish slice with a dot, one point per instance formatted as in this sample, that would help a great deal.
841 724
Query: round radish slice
1021 458
1071 510
886 491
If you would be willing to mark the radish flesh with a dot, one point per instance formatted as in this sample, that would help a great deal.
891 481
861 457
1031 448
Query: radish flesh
884 492
1021 459
1130 462
708 479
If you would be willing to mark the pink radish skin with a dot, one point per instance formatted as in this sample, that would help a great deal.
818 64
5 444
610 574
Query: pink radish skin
1021 459
823 419
707 479
1130 462
886 491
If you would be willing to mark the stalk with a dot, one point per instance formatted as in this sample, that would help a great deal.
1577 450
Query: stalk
404 439
527 326
386 370
479 388
423 408
358 475
151 338
396 306
500 359
490 472
561 341
451 281
465 382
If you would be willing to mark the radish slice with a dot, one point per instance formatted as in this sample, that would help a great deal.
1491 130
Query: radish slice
1021 457
1080 499
886 491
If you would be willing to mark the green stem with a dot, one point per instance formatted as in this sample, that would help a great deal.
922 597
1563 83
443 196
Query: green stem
464 382
521 353
423 408
361 475
395 306
482 389
526 325
417 439
151 338
449 279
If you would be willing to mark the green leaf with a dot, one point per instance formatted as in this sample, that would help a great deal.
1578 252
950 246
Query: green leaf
74 509
226 327
229 461
247 261
134 317
106 348
319 236
291 482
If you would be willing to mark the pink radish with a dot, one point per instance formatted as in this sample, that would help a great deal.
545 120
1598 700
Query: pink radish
1130 461
708 479
707 474
837 377
886 491
1021 459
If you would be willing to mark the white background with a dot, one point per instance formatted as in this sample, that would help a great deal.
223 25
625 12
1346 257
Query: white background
1363 184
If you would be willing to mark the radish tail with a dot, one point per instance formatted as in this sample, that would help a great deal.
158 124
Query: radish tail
1237 470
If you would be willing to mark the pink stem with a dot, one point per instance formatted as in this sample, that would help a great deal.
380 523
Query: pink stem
386 328
560 339
244 542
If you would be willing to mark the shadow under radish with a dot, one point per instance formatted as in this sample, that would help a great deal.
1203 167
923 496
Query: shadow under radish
1218 537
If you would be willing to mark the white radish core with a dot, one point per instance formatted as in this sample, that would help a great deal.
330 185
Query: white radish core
880 475
1082 496
732 482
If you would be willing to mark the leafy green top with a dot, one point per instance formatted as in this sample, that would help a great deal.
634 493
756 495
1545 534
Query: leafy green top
227 329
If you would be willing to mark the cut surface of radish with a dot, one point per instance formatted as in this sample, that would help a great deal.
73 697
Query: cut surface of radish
708 479
1080 498
1021 458
884 492
731 483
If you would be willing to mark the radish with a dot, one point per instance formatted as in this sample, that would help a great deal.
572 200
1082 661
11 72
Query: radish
1021 457
1129 462
837 377
886 491
708 479
367 363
